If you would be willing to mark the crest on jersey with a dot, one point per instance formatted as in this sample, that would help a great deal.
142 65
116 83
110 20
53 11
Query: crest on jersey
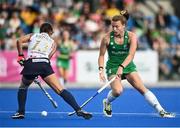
110 71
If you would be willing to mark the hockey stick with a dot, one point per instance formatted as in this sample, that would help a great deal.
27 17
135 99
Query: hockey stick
54 103
99 91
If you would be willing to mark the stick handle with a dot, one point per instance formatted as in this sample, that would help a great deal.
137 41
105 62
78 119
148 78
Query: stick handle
54 103
100 90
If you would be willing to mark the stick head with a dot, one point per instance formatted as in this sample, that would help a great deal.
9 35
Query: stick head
55 104
71 113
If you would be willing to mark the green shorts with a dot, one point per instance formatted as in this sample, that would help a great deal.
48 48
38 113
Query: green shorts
63 63
126 70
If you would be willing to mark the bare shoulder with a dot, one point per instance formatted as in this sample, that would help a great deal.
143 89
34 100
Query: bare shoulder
28 35
25 38
106 37
132 35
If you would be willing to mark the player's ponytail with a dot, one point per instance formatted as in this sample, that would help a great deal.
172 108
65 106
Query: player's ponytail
125 14
123 17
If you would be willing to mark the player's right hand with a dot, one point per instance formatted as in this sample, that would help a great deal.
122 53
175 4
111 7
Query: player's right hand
21 59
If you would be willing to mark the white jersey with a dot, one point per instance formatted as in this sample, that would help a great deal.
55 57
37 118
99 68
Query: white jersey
40 46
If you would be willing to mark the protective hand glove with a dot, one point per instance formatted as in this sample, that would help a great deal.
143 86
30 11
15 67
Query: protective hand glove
21 60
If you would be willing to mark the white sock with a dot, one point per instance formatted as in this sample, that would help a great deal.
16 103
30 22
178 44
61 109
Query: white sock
61 80
152 100
110 98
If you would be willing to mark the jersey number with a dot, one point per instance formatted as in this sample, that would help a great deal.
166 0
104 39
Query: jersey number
42 49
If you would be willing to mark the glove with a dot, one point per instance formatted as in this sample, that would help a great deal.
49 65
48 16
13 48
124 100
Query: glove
21 60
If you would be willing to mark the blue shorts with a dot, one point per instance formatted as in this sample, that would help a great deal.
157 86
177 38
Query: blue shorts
35 67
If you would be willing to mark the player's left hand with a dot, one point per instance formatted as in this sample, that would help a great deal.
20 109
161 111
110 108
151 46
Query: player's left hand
119 72
21 60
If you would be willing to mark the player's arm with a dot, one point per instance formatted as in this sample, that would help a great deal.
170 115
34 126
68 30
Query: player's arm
102 51
20 41
19 44
54 46
132 50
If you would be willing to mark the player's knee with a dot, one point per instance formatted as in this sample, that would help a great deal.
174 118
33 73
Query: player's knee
23 86
25 83
117 92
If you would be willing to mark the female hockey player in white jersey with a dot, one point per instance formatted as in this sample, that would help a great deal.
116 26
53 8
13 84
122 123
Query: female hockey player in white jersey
41 48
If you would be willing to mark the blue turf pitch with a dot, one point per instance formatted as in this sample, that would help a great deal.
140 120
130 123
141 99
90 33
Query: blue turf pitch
129 110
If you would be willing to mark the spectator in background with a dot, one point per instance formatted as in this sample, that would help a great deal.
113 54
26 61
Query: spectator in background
176 64
112 10
14 22
28 16
3 29
161 18
165 65
88 20
2 37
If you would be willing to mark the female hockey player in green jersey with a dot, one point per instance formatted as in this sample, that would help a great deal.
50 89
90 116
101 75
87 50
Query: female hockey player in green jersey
121 45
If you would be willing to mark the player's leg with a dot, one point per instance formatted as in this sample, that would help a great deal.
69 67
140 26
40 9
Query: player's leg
66 71
116 90
65 75
22 94
53 82
135 80
61 73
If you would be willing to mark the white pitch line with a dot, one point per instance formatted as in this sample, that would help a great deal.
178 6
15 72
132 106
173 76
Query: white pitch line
95 113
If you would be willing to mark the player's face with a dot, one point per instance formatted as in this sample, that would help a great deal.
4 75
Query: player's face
66 35
51 33
117 27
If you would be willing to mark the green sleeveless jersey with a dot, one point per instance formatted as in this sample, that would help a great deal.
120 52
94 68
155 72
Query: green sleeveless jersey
63 60
65 51
117 53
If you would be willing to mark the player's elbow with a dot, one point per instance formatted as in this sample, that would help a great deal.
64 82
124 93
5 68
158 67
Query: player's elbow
19 42
131 56
101 57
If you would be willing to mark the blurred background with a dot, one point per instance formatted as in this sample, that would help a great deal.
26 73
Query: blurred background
156 23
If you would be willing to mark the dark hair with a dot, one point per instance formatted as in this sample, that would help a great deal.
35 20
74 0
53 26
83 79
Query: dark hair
123 17
46 27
